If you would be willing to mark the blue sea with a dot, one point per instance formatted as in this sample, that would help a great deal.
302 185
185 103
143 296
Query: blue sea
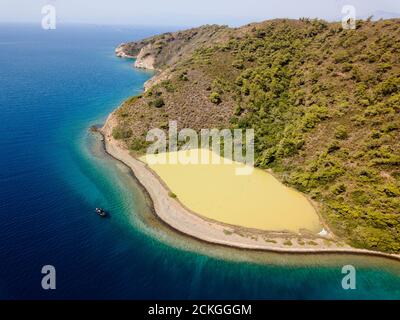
53 86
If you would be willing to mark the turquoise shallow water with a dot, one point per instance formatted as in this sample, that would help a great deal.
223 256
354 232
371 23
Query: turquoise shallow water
54 86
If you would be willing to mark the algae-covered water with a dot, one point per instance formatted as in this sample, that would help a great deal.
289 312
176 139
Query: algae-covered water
218 190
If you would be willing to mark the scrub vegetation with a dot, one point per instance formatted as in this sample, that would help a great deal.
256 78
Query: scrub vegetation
324 103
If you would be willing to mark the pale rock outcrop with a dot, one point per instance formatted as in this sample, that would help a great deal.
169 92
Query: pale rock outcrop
145 60
120 52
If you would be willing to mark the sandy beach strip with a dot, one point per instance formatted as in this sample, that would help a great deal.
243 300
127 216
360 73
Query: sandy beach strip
183 220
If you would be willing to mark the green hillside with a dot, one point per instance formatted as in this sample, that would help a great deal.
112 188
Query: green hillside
324 103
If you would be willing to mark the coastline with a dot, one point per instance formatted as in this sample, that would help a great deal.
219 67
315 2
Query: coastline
120 53
183 220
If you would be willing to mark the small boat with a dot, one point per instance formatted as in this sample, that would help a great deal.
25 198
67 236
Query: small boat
101 212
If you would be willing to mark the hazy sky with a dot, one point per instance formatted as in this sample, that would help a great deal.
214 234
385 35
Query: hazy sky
185 12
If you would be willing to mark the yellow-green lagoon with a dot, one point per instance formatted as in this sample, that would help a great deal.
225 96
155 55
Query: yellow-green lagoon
215 191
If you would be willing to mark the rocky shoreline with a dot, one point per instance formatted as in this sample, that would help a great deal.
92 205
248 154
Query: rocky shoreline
120 52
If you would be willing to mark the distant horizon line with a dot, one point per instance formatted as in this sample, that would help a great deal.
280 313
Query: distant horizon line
145 25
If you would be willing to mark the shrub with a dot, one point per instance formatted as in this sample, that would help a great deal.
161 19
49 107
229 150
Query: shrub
390 127
172 195
310 120
341 133
167 84
367 175
149 93
393 160
341 56
334 146
359 120
290 145
288 243
389 86
339 189
183 76
260 34
238 64
158 103
215 98
391 190
301 242
347 67
375 134
360 197
121 133
383 67
138 144
133 99
314 115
